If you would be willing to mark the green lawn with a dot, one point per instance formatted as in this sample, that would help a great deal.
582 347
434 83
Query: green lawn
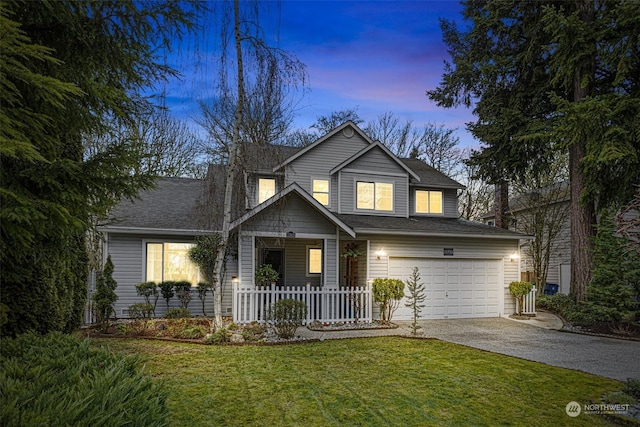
388 381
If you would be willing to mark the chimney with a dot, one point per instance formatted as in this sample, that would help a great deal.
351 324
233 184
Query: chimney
501 204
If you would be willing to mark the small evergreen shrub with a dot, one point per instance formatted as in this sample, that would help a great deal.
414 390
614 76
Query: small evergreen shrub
177 313
141 311
415 298
387 294
286 315
220 336
59 380
167 290
557 303
105 294
183 292
632 387
149 291
203 289
192 332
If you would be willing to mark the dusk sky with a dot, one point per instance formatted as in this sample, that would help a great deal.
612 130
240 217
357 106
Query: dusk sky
378 56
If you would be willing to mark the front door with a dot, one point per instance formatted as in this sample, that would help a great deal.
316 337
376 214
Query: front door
275 257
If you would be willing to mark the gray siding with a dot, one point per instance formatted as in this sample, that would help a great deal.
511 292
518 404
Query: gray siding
449 202
320 160
376 160
128 255
348 193
290 214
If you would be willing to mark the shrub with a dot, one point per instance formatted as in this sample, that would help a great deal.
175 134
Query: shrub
203 288
519 290
141 311
557 303
266 275
59 380
632 387
105 295
177 313
387 294
183 292
166 289
286 315
149 291
192 332
221 335
415 298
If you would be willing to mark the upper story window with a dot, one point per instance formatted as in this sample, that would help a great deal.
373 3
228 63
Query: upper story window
170 261
266 189
374 196
428 202
321 191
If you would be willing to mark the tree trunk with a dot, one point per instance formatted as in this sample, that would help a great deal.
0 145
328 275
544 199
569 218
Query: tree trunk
501 204
231 175
582 214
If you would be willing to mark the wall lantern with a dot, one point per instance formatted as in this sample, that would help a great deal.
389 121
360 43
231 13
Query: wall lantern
235 280
514 256
380 253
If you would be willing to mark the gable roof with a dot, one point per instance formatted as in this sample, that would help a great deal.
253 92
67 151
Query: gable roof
426 226
308 148
294 189
172 207
429 176
370 147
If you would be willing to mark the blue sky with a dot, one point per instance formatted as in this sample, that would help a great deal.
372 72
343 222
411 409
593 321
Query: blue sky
378 56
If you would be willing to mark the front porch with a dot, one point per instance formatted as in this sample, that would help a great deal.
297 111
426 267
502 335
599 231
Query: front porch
329 279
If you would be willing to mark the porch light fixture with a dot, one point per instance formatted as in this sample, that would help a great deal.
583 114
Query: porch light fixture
514 256
380 253
291 234
234 279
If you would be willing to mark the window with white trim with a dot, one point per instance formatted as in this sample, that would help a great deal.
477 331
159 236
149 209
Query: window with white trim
314 260
170 261
428 201
374 196
266 189
320 188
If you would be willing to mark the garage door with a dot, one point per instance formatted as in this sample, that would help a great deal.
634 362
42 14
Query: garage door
455 288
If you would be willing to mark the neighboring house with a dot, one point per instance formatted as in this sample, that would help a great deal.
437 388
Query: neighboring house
551 207
304 208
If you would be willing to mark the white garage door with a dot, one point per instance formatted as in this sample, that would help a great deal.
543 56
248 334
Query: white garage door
455 288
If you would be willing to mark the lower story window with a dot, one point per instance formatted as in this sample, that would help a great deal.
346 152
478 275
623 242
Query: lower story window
314 260
170 261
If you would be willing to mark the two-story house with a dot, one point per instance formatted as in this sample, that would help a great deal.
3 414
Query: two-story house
304 209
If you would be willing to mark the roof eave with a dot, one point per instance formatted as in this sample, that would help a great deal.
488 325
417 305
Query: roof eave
441 234
165 231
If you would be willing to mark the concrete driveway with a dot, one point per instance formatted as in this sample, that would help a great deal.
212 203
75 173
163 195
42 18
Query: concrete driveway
608 357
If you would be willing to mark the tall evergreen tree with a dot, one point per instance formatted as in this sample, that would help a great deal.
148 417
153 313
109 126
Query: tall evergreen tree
69 69
547 77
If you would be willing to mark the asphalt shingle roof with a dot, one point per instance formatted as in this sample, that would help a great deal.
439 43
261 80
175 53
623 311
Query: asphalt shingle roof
430 176
172 205
423 225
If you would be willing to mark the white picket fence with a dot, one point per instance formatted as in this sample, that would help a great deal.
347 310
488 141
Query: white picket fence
344 304
529 303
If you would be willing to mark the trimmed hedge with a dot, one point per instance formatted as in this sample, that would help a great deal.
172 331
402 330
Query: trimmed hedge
58 380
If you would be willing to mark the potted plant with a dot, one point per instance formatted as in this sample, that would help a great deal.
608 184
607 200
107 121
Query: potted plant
266 275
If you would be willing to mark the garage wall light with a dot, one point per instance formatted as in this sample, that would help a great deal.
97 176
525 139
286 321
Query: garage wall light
380 253
514 256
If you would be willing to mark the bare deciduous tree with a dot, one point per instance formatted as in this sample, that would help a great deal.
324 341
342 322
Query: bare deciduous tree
540 210
252 109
